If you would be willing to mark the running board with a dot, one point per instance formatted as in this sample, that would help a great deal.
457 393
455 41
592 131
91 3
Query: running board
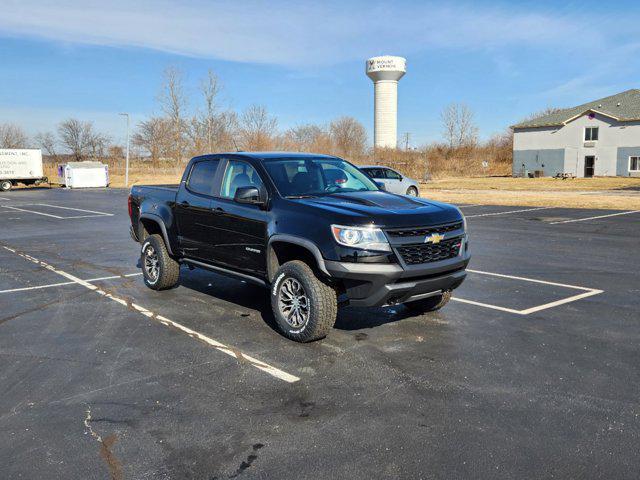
225 271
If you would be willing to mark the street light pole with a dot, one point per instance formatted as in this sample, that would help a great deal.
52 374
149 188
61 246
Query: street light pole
126 170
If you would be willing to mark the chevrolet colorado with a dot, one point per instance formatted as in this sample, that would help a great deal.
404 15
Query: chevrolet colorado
313 229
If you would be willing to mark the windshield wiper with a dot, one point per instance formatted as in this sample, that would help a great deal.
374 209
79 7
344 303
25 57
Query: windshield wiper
304 195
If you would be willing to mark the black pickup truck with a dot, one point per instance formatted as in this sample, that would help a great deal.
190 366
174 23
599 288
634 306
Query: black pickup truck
313 229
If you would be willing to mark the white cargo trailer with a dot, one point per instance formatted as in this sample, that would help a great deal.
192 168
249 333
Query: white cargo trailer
20 166
83 174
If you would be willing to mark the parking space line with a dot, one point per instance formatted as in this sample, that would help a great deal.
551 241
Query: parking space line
532 280
62 284
587 292
238 355
76 209
594 218
472 205
507 212
32 211
562 301
93 213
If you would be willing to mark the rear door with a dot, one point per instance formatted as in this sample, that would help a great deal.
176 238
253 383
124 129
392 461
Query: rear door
240 229
193 209
393 181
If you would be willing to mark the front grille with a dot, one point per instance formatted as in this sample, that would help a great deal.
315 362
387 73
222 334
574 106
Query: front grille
418 253
424 231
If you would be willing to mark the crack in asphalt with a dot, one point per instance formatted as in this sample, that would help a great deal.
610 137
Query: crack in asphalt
106 444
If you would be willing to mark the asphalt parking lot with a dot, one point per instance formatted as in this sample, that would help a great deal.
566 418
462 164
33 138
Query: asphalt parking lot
531 372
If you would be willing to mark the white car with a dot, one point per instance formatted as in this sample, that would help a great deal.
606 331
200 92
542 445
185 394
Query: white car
393 181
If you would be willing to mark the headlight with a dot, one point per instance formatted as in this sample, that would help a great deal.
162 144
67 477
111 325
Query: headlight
464 220
366 238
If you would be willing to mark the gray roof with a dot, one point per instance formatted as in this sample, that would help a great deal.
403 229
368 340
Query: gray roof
624 107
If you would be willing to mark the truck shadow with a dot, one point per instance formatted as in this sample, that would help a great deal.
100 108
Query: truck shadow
254 297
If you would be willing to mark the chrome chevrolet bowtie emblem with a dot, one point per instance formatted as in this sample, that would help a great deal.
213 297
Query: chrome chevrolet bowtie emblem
434 238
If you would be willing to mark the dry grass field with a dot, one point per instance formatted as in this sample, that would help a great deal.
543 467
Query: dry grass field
537 184
603 192
616 193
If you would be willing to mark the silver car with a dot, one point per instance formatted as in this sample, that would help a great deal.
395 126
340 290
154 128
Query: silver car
393 181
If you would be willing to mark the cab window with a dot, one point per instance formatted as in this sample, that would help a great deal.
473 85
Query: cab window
239 174
202 175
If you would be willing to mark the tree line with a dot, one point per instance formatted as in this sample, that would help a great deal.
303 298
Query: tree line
188 125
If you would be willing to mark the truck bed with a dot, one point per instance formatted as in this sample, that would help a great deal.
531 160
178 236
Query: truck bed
161 192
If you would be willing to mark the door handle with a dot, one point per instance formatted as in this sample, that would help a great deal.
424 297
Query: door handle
218 210
184 203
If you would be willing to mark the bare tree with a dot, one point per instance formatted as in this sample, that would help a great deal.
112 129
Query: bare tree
308 138
98 144
459 128
173 102
348 136
210 89
257 128
47 142
81 139
12 136
154 136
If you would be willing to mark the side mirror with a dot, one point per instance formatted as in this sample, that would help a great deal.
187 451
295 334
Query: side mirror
381 186
250 195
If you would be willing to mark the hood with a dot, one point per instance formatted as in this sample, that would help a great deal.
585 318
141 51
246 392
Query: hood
384 209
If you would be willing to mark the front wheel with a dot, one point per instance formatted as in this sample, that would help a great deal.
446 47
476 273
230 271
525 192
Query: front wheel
160 271
304 307
5 185
412 191
430 304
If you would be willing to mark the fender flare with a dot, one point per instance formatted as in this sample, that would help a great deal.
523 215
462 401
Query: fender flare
303 242
158 219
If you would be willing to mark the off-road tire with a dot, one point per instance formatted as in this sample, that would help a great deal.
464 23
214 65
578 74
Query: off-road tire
412 191
5 185
168 269
429 304
322 302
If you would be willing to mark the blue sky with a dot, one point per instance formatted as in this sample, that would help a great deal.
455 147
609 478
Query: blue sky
305 60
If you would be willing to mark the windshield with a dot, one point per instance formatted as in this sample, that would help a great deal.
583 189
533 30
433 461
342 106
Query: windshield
300 177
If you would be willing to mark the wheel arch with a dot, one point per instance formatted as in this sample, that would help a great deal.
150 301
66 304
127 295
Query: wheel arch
283 248
152 223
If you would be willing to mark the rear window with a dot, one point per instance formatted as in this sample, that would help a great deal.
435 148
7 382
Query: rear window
202 175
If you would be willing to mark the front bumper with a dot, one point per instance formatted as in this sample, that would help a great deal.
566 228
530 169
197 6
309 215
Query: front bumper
369 285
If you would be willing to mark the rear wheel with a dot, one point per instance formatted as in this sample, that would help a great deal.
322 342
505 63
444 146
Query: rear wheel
430 304
5 185
304 307
412 191
160 271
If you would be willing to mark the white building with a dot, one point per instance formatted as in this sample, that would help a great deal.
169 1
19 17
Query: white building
600 138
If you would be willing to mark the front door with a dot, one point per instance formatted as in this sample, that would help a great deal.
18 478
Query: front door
589 166
241 229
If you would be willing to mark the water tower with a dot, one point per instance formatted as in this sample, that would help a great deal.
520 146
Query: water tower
385 72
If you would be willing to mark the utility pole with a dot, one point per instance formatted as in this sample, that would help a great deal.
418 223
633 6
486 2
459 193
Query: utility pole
126 169
406 140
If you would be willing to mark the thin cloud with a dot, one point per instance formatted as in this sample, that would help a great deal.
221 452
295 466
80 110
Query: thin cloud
292 34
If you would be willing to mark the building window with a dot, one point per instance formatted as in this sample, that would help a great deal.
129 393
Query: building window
634 164
590 134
